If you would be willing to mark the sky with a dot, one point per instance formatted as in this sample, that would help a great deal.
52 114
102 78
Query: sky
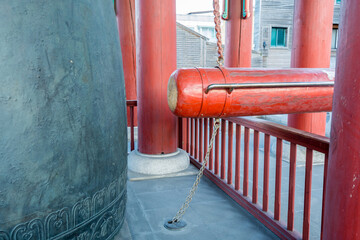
186 6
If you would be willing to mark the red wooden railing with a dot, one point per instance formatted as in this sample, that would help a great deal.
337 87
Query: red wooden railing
225 172
195 135
131 104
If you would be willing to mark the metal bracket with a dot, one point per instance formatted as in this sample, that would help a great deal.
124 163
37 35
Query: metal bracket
246 9
225 14
231 86
174 225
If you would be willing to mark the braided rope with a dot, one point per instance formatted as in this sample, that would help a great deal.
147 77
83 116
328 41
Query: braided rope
217 22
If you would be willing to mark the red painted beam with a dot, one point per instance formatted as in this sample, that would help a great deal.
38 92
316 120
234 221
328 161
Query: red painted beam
311 48
156 60
125 14
187 95
342 197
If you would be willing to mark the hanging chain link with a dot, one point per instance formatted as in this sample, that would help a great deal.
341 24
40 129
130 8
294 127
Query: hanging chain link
216 126
183 208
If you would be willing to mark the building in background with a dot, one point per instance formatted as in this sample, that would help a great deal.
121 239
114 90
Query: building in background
201 22
196 40
272 35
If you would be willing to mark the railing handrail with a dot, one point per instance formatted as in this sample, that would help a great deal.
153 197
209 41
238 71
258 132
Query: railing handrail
309 140
313 141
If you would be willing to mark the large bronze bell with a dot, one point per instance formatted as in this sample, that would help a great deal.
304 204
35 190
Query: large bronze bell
63 144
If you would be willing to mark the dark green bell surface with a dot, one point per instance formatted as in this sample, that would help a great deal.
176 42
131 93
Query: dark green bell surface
63 144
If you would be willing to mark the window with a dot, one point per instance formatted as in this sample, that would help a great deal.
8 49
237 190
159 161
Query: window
338 1
278 37
334 38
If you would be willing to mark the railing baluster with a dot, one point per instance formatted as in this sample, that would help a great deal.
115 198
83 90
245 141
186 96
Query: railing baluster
223 150
200 140
326 158
217 140
266 173
184 138
180 132
132 141
255 167
187 141
307 194
192 137
211 157
196 139
246 161
277 207
230 153
237 156
290 220
205 135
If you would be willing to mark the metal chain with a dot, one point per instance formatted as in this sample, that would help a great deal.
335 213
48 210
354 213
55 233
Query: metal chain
217 22
183 208
216 126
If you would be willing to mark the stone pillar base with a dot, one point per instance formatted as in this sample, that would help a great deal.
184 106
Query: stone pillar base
158 164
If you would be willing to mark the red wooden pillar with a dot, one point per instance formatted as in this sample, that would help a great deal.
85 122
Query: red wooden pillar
342 204
238 40
125 13
156 31
311 48
157 151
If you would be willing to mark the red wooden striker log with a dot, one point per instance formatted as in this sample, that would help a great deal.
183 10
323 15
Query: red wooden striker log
224 92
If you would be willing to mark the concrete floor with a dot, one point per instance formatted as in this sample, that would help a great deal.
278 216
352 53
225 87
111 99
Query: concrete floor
212 214
183 185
